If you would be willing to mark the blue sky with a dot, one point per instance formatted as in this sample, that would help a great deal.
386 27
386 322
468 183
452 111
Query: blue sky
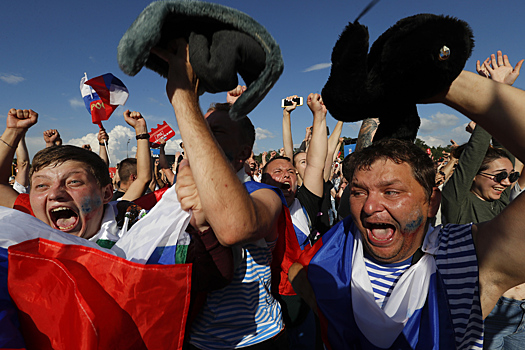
48 45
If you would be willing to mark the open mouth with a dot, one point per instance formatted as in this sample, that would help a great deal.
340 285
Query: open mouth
380 233
285 185
64 218
499 189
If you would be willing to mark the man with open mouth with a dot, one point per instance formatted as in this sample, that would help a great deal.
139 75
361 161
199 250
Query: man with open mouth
382 277
70 186
304 204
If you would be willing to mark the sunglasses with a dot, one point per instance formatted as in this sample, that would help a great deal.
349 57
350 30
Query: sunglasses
513 177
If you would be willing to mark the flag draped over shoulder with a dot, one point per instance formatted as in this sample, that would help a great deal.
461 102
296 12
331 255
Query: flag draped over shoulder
416 315
70 293
109 93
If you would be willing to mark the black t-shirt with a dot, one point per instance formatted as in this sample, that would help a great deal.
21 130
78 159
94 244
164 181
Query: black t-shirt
117 195
316 207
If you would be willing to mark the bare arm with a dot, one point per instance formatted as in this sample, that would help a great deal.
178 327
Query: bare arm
157 176
334 143
18 121
299 280
498 108
234 215
287 127
366 133
22 162
103 139
263 158
137 188
316 155
163 163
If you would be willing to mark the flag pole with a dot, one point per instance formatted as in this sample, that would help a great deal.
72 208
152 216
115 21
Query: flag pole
90 91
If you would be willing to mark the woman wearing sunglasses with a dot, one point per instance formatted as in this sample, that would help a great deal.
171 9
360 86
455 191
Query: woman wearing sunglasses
478 190
480 186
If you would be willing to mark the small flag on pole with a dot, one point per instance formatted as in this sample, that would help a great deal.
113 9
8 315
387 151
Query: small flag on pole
109 93
163 131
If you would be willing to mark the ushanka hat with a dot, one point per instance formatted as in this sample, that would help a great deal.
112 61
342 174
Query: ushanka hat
415 59
223 42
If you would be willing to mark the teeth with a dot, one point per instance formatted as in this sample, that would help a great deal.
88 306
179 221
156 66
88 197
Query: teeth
59 209
66 228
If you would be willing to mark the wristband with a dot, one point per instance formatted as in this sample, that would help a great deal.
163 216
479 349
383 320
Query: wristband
144 136
8 145
101 143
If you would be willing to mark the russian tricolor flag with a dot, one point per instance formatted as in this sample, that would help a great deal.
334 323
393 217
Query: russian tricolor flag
109 93
59 291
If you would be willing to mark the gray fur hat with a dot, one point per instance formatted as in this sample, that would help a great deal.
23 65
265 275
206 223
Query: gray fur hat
223 42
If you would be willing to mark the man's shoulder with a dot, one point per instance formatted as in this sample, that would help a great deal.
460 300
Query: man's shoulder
253 186
454 239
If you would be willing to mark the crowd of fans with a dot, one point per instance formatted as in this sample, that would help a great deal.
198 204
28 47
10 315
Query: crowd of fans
311 184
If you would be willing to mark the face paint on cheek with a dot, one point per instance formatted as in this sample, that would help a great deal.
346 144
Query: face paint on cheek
413 225
89 204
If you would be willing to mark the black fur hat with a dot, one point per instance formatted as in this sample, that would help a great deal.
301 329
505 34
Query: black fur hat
415 59
223 42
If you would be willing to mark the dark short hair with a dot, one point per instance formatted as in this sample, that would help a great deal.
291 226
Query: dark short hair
126 168
275 158
492 155
57 155
245 124
397 151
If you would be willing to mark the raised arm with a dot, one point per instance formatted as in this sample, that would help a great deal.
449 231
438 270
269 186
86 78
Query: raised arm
498 68
163 162
457 188
316 155
263 158
366 133
22 163
137 188
103 139
334 143
52 138
233 214
287 127
498 108
18 121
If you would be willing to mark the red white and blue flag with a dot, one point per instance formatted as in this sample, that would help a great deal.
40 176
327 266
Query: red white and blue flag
102 95
59 291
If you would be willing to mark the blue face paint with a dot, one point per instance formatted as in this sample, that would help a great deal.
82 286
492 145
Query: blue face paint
89 204
414 224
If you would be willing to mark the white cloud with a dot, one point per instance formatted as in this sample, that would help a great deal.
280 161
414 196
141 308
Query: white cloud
318 66
433 141
11 78
261 134
437 122
75 103
173 146
459 135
